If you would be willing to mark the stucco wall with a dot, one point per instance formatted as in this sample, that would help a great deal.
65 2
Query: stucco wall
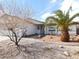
47 30
30 29
72 30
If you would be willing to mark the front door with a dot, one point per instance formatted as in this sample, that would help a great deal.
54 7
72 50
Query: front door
41 29
77 31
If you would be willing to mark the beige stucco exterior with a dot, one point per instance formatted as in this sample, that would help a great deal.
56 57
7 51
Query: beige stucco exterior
30 25
72 30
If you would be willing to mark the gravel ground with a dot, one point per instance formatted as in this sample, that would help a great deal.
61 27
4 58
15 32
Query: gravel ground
35 49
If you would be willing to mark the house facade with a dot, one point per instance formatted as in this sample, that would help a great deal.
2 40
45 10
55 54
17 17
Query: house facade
73 29
34 27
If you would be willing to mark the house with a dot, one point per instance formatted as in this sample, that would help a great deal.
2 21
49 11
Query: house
33 27
73 29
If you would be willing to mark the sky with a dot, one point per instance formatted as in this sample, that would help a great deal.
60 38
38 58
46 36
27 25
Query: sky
44 8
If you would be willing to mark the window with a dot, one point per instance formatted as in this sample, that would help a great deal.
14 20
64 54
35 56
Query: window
51 28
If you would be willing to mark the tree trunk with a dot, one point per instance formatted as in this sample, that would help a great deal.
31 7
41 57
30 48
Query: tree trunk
16 43
65 35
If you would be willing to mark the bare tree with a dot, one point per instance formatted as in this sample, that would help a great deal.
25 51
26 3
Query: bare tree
13 24
23 11
15 28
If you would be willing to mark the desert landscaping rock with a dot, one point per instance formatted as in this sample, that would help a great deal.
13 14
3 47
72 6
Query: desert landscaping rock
35 49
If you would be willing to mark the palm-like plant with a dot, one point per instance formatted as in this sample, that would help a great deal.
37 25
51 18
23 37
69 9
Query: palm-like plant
63 21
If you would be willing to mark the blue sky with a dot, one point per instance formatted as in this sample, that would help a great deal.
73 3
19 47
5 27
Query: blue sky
43 8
